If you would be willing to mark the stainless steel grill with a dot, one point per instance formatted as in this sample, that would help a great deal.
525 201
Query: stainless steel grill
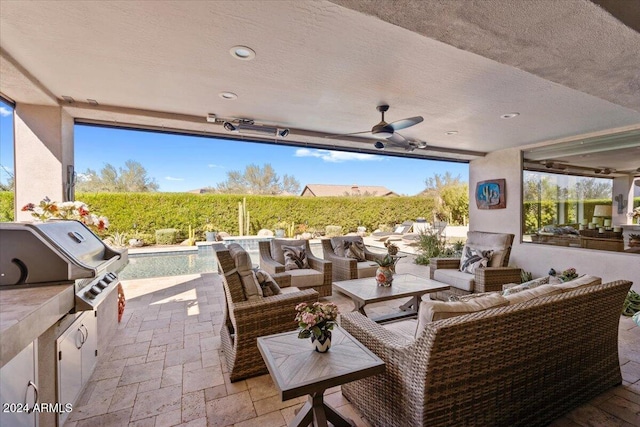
59 253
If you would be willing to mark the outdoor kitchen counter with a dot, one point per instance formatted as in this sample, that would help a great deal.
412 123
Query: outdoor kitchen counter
27 313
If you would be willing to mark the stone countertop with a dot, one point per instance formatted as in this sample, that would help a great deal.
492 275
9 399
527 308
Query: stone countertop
28 312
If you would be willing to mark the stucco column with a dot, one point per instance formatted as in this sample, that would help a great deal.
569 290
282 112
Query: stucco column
43 145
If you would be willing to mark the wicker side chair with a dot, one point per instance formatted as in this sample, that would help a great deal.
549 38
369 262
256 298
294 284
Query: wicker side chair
487 279
246 320
317 276
345 268
525 364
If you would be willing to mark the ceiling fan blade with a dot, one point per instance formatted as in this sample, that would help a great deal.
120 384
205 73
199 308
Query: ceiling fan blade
346 134
405 123
398 140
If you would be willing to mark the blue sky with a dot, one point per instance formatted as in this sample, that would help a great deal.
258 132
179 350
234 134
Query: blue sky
182 163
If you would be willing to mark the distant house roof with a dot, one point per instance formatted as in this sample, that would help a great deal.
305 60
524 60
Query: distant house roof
326 190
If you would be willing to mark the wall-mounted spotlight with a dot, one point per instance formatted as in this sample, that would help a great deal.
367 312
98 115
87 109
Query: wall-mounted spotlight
230 127
283 132
379 145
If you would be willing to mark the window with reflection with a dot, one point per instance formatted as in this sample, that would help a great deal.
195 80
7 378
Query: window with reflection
575 211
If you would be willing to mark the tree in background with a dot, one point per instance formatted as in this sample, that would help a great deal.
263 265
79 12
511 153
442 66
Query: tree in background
451 197
258 180
10 181
130 179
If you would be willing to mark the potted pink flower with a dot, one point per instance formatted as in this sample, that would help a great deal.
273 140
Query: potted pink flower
316 322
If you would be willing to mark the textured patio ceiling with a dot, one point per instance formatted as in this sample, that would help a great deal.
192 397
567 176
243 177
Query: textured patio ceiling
568 67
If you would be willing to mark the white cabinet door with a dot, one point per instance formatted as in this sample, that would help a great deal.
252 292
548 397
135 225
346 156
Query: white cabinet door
18 389
89 349
77 356
69 347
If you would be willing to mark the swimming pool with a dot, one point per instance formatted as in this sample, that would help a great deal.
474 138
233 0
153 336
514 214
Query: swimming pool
176 263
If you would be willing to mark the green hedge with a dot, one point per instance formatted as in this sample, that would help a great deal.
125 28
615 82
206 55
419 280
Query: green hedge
148 212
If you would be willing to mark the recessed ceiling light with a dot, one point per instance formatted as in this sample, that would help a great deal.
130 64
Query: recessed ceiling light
242 52
451 132
509 115
228 95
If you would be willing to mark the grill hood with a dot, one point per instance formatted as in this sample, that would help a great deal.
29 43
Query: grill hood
53 252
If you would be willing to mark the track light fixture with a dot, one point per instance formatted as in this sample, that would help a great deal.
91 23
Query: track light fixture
230 127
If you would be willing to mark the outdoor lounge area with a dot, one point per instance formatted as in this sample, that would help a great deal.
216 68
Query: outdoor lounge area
164 366
537 100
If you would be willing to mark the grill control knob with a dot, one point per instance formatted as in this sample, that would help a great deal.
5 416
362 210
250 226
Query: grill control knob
102 284
111 277
89 295
107 278
95 290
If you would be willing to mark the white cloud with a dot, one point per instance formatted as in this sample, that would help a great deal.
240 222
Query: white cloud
336 156
83 176
213 165
170 178
4 112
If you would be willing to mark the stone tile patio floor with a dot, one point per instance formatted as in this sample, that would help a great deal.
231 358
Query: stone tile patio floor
164 367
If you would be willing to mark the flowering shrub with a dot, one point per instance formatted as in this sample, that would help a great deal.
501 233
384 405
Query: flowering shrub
635 214
79 211
315 319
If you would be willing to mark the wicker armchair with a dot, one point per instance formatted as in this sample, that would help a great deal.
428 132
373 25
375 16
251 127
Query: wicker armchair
345 268
487 279
317 276
245 320
525 364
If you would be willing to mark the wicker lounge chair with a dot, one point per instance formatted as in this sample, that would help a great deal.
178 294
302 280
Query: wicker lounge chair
245 320
345 268
317 276
487 279
525 364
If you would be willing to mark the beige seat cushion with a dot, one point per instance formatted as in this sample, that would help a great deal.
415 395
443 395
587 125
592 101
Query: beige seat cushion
455 278
432 310
404 328
580 282
306 278
289 290
529 294
277 252
366 269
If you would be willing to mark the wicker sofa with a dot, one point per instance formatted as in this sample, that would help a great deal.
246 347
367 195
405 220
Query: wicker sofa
491 278
521 364
248 317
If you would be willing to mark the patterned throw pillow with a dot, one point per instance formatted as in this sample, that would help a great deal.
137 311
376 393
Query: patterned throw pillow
295 258
469 297
268 285
473 259
512 289
355 249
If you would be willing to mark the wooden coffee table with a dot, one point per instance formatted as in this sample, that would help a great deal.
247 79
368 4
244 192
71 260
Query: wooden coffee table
297 370
366 291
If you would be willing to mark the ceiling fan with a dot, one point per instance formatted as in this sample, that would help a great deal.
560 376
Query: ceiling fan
388 131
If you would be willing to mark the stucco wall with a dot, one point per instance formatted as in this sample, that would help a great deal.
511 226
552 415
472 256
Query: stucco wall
534 257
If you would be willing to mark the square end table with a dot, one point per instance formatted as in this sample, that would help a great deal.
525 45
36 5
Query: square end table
297 369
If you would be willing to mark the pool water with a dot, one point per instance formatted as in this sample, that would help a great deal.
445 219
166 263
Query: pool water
169 264
163 264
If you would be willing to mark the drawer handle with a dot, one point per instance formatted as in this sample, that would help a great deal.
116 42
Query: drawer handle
35 392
